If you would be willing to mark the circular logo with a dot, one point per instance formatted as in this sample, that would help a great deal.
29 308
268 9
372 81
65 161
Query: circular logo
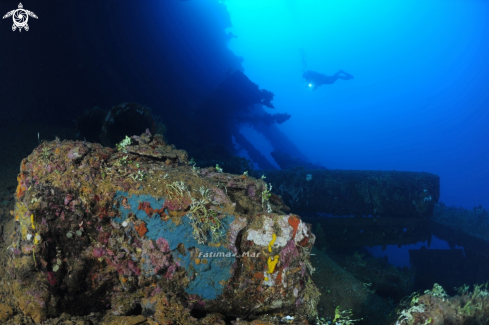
20 17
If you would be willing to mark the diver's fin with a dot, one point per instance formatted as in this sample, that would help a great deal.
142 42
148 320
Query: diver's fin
347 75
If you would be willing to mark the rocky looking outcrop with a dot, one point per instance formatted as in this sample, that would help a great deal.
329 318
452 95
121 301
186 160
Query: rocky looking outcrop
139 230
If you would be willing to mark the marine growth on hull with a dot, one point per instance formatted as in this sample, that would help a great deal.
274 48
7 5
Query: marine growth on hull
139 229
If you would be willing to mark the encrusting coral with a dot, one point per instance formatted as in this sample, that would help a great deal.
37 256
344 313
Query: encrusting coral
139 228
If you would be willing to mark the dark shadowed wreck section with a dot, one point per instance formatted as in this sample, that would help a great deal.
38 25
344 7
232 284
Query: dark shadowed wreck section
359 207
393 194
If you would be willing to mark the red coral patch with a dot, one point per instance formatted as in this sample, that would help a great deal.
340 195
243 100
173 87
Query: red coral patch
294 222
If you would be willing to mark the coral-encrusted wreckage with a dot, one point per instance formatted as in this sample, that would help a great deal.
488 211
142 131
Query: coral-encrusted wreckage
139 229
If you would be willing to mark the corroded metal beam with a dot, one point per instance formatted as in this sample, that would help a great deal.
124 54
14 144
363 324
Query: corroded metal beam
393 194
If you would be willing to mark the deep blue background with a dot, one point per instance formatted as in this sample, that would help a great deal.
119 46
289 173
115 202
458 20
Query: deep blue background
420 97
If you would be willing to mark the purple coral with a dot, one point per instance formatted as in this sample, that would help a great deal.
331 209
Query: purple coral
156 260
68 199
73 153
195 301
234 228
52 278
251 190
288 253
133 267
163 245
171 270
98 252
220 197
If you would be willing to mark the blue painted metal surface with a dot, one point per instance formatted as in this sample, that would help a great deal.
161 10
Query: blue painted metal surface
205 278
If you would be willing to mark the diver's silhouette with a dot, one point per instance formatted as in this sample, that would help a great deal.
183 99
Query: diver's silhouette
316 79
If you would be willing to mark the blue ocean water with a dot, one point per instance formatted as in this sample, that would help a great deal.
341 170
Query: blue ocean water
418 100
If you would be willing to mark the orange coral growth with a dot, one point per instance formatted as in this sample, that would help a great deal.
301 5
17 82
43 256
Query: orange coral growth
141 229
146 207
23 166
20 191
279 275
294 222
259 275
304 241
103 212
142 205
20 188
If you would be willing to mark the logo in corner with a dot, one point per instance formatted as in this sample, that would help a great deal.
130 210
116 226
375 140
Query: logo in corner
20 17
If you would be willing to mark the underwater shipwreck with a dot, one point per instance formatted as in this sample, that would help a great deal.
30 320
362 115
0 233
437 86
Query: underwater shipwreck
148 177
141 228
138 234
124 228
120 229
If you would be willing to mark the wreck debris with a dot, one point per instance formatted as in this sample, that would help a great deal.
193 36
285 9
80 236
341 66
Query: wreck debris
139 229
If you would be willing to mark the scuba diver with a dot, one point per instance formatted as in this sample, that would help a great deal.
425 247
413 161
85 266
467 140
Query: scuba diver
315 79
